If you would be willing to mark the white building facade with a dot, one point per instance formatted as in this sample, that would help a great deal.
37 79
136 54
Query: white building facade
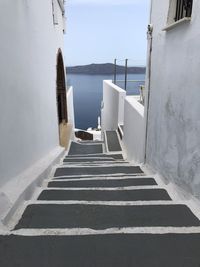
173 127
32 92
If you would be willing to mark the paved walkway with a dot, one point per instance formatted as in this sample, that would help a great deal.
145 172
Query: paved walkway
99 211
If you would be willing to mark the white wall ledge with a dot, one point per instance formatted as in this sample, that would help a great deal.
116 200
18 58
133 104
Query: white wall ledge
21 188
133 101
175 24
114 86
112 112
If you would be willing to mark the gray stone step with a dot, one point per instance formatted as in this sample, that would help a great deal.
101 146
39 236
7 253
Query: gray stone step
105 195
67 160
76 149
101 155
106 251
97 170
112 141
118 250
91 142
96 163
104 183
105 216
95 177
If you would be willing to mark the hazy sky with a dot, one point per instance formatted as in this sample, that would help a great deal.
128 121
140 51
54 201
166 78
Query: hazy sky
100 30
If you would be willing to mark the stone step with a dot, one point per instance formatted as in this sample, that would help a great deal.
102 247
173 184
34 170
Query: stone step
89 142
112 139
116 250
97 177
94 164
105 216
94 159
76 149
104 183
105 195
64 171
97 163
100 155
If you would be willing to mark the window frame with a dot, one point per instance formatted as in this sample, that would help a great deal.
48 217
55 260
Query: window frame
183 9
172 21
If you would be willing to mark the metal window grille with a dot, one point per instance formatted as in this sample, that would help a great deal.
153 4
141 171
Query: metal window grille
183 9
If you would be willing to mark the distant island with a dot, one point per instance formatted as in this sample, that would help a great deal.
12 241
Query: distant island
103 69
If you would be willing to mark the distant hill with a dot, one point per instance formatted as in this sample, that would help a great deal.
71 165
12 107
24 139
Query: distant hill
104 69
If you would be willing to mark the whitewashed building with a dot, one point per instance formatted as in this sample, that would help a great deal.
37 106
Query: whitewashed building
164 133
173 127
102 204
33 95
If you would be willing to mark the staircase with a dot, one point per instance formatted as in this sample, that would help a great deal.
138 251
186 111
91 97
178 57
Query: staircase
98 210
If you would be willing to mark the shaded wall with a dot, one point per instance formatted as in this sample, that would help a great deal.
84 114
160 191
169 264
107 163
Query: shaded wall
28 53
173 146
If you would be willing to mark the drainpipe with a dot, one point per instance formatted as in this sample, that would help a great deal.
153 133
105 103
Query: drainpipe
148 89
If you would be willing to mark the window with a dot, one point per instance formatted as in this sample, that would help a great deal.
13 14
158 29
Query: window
183 9
180 11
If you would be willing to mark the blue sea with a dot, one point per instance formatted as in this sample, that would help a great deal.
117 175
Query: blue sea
88 94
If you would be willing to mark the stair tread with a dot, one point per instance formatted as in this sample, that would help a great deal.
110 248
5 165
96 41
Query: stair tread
89 160
104 183
105 216
99 155
175 250
76 148
113 141
105 195
97 170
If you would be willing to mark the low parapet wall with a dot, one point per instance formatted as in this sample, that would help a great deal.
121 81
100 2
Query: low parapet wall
113 106
134 129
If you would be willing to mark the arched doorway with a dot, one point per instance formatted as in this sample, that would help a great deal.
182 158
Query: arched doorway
61 99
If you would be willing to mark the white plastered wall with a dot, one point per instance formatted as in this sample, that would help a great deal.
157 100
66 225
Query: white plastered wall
70 106
70 113
134 129
28 58
173 146
113 106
